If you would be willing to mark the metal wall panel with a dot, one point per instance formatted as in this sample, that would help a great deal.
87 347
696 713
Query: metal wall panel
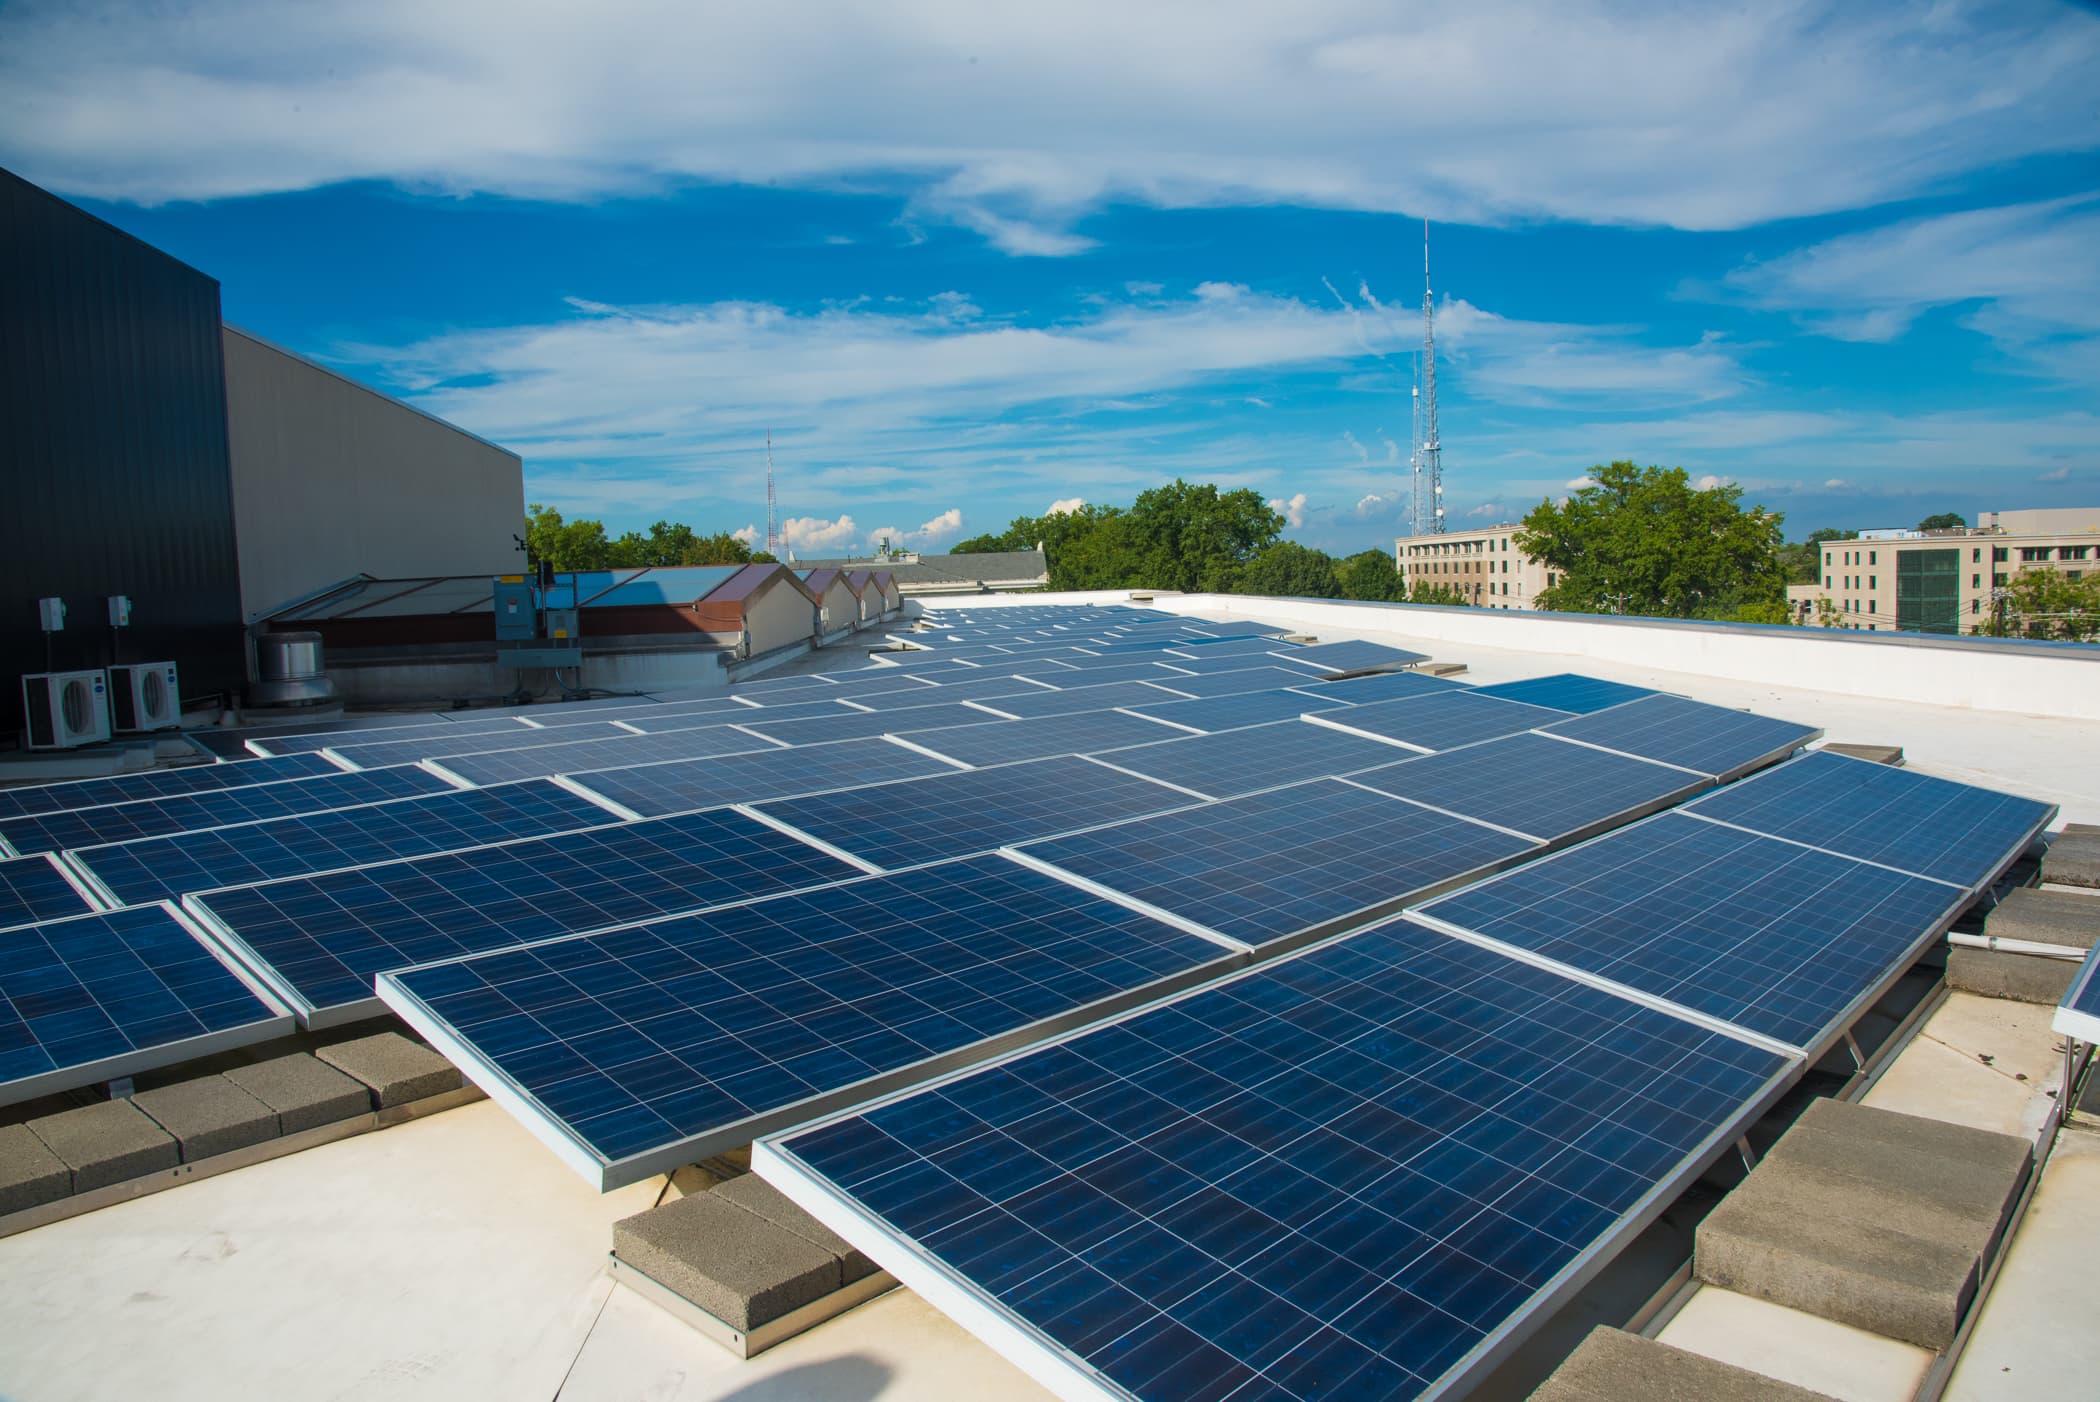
114 477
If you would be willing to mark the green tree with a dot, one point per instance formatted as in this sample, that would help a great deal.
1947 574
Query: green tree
1447 594
1645 541
1194 537
567 545
721 548
1944 521
978 545
1292 571
2047 604
1371 575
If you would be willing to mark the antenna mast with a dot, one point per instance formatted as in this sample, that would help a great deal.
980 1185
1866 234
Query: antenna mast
772 503
1430 462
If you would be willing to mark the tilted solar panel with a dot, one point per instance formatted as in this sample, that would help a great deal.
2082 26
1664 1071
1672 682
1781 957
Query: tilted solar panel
1439 721
637 1050
818 729
1363 1172
315 742
679 786
1383 686
1242 679
1710 740
34 889
318 941
990 690
1217 656
1352 656
787 708
1567 691
1083 733
1106 697
101 996
504 766
1234 762
1213 713
379 754
158 783
2078 1013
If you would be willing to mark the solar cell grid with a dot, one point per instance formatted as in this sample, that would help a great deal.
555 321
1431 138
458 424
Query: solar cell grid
656 790
1710 740
121 822
930 819
641 1049
1260 650
1235 762
279 745
380 754
777 710
1077 699
1214 713
698 708
1005 742
1361 1172
1383 686
1232 683
1568 691
1295 862
101 996
157 868
1878 813
158 783
1351 656
1440 720
33 889
818 729
989 689
1771 936
320 940
505 766
2078 1013
1556 792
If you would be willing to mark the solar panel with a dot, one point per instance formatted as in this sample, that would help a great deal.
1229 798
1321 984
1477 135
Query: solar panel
1008 741
769 686
1364 1172
1209 662
1772 936
1086 698
1568 691
1383 686
1213 713
150 817
679 786
727 708
2078 1014
990 690
1878 813
319 940
1291 863
634 1051
913 821
315 742
1352 656
1248 652
158 783
378 754
1235 762
156 868
504 766
1106 671
1710 740
830 705
101 996
1440 721
1241 679
818 729
36 888
1556 792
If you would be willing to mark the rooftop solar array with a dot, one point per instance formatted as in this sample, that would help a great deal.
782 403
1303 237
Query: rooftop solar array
322 938
1240 679
789 707
1567 691
635 1051
540 761
1443 721
113 994
1213 713
679 786
375 754
1005 741
1710 740
990 690
158 783
818 729
1358 1172
1076 698
1382 686
1236 762
315 741
1352 656
34 889
151 817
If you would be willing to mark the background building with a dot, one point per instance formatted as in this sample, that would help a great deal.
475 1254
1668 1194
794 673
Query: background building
988 572
1942 581
1485 566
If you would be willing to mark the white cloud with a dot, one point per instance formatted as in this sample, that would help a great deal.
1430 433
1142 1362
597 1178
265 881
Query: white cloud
2061 474
1490 510
750 535
1363 454
1512 110
1576 484
1835 484
809 533
1709 482
937 532
1293 510
1065 506
1392 450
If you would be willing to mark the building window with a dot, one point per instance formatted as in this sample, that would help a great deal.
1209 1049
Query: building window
2074 575
1975 606
1873 557
1976 581
1873 582
1826 581
2031 553
1997 554
2072 552
1976 556
1826 560
1997 581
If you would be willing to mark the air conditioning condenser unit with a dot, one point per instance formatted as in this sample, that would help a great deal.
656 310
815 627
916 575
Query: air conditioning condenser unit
144 696
66 709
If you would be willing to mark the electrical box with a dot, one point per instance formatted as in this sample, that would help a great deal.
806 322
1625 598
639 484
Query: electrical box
564 625
51 614
517 610
120 610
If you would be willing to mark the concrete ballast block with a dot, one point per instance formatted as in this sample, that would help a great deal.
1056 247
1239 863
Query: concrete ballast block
740 1268
30 1174
1877 754
395 1069
210 1115
2066 918
755 1195
303 1092
113 1142
2073 860
1613 1366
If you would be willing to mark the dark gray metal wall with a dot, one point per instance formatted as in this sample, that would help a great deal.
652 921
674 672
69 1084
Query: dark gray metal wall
114 476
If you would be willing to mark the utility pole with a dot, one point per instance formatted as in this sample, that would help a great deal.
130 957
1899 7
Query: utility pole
1431 457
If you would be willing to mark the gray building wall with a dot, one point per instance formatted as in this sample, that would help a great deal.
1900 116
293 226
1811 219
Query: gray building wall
332 478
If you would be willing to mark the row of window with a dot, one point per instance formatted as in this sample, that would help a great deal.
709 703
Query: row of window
1460 547
2029 554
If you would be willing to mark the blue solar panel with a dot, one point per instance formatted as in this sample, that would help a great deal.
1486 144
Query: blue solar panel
34 889
1711 740
156 868
1241 679
102 996
990 690
696 710
1364 1172
646 1048
1769 935
1235 762
655 790
818 729
1004 742
774 710
1879 813
952 815
158 783
1106 671
378 754
1217 655
319 940
1209 662
150 817
1440 721
2078 1014
1352 656
1301 861
1214 713
1087 698
1384 686
315 742
1555 791
503 766
1568 691
767 687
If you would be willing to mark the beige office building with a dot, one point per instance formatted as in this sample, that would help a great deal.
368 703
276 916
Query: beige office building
1484 565
1941 581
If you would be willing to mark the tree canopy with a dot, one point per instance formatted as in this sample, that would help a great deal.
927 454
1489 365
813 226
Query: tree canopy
2042 603
1944 521
1646 541
583 544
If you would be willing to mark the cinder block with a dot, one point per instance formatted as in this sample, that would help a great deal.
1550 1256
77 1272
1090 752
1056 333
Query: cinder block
1613 1366
1878 754
303 1092
210 1115
1441 669
30 1174
1978 1194
112 1142
2073 860
395 1069
734 1264
1911 1135
2075 829
2066 918
754 1194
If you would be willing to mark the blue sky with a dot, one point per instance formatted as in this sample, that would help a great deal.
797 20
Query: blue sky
965 264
